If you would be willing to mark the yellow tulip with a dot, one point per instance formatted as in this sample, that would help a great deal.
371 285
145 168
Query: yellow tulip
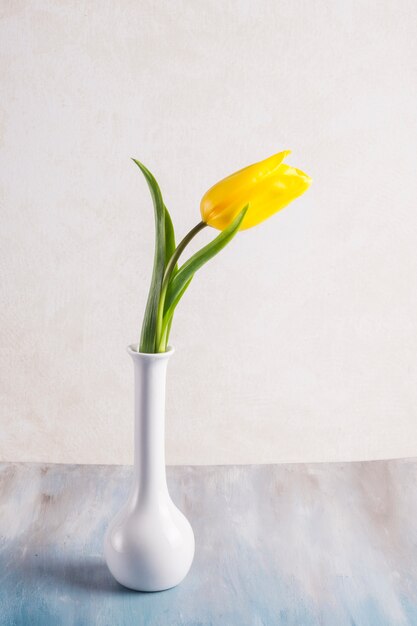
267 186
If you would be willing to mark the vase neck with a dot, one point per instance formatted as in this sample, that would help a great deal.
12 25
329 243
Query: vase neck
149 439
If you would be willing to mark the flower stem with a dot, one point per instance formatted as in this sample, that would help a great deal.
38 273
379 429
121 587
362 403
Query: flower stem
161 336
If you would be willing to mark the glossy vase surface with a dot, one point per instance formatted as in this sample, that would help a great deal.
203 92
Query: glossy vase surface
149 545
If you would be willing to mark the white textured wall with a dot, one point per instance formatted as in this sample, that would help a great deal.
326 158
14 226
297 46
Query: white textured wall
299 342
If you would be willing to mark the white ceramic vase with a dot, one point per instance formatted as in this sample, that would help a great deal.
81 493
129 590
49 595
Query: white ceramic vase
149 545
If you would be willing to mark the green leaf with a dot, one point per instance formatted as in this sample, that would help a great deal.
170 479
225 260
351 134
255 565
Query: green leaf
169 251
168 315
169 237
147 339
179 282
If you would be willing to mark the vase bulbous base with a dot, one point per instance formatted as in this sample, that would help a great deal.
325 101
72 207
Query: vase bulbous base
149 547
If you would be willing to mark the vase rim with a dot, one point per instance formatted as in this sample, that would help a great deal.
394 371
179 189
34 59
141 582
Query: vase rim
150 355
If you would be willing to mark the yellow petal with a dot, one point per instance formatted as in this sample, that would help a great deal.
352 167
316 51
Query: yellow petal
226 192
288 184
267 186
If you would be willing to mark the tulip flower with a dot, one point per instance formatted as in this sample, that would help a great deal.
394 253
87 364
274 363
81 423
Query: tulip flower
267 186
237 202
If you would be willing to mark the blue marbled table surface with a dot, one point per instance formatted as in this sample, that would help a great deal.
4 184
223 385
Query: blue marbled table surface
294 545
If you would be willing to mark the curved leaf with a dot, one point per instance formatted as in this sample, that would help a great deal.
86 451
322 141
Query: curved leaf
169 251
169 238
180 281
147 339
168 315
